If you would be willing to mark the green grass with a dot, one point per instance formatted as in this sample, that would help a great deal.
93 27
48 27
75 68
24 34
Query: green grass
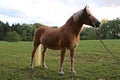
92 62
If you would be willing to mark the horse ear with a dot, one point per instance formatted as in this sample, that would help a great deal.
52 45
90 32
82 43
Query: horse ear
85 9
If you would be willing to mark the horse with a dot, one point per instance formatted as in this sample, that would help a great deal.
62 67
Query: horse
64 38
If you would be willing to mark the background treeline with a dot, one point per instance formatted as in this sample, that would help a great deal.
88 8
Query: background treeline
109 29
17 32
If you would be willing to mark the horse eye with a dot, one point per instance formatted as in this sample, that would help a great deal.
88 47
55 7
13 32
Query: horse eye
89 15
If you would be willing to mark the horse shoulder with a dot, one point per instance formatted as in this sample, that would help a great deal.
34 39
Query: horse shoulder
68 40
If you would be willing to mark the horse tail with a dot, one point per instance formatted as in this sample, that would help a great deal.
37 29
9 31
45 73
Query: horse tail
37 44
38 56
37 47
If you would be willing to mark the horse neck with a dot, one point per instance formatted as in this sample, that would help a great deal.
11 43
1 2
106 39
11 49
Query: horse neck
73 26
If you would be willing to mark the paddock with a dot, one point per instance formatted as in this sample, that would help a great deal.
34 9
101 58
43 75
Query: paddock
92 62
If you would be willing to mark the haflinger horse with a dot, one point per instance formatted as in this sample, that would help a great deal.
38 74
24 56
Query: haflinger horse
63 38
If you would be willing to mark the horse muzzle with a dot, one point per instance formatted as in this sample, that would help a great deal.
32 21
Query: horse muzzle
96 24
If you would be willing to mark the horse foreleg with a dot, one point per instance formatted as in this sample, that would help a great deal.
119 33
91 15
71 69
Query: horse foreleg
43 58
62 55
72 51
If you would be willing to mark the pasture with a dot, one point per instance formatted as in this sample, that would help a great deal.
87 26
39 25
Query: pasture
92 62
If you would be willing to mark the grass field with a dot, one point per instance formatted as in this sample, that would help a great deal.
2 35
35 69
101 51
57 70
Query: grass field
92 62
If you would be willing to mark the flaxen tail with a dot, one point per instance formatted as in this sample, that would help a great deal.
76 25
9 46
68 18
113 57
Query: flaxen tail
38 56
37 46
37 49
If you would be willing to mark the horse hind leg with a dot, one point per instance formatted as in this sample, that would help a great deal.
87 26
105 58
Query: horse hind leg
36 44
43 57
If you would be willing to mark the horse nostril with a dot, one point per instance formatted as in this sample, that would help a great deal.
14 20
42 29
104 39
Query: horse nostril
97 23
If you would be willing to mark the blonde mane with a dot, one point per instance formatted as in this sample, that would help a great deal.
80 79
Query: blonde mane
77 15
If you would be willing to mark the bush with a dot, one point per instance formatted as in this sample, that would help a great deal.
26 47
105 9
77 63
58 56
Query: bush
12 37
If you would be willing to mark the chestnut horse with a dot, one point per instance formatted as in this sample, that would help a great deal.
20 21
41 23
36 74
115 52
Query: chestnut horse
63 38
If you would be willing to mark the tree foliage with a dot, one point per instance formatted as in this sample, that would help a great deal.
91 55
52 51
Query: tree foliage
88 34
12 37
25 31
109 29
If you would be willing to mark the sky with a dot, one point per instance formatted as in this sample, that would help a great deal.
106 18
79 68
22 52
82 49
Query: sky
54 12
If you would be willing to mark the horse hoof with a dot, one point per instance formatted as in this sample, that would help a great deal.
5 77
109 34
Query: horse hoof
73 72
44 66
61 73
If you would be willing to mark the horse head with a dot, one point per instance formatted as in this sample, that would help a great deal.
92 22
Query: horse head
89 19
85 17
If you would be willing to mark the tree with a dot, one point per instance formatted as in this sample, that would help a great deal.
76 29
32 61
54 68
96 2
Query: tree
88 33
110 29
2 30
12 37
36 25
83 34
91 34
103 21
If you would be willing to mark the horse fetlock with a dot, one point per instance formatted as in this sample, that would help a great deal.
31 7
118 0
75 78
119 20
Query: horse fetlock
31 67
44 66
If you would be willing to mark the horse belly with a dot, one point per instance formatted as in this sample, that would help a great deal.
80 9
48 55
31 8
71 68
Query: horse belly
51 43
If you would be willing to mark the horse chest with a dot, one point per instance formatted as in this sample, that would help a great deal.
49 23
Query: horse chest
70 42
73 43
